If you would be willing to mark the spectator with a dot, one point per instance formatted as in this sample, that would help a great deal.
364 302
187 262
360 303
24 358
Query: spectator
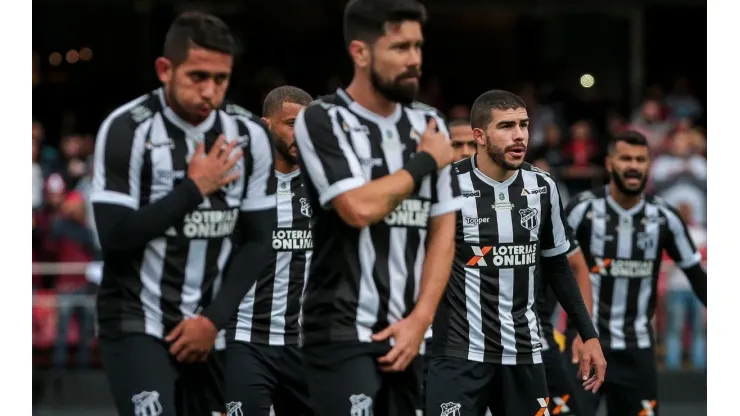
683 304
540 116
72 242
680 176
84 187
48 157
551 151
43 218
681 103
649 122
72 151
37 174
583 159
460 111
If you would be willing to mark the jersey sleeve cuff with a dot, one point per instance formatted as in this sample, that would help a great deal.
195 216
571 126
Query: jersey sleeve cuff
690 262
557 250
259 203
573 249
340 187
114 198
444 207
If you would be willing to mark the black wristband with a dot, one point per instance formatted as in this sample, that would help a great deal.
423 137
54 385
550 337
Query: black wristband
421 165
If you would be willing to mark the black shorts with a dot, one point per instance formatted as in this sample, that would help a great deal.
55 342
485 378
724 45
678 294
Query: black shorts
562 383
145 379
260 376
456 386
630 386
344 379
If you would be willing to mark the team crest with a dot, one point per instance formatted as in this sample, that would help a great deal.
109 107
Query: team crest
528 218
306 208
147 403
450 409
362 405
234 409
645 241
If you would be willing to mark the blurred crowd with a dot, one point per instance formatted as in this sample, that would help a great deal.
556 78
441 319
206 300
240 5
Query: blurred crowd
567 138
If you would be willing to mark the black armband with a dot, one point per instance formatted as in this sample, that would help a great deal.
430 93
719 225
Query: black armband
421 165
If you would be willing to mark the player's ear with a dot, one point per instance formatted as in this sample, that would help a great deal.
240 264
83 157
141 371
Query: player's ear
608 163
267 122
480 137
360 53
163 67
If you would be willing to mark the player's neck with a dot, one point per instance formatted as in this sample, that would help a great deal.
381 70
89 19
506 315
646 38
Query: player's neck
363 93
623 200
180 112
283 166
493 170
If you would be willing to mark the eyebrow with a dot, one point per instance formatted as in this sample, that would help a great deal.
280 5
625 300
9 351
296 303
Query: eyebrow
505 122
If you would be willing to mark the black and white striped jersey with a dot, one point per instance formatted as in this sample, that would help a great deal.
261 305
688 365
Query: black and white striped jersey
489 311
270 312
142 153
362 280
623 250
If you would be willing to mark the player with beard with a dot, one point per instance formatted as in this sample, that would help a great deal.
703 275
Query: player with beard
376 170
623 233
510 235
264 362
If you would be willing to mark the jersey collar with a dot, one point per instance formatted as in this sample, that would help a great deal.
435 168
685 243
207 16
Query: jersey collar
618 208
492 182
365 113
196 132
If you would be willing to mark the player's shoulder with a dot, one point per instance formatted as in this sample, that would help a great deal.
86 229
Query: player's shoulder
464 166
589 195
129 116
528 167
664 207
425 109
235 110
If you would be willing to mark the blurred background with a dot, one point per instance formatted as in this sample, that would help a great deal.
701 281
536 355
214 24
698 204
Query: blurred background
586 68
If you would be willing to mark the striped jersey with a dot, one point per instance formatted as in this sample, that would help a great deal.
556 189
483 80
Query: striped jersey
362 280
141 155
623 251
270 312
488 312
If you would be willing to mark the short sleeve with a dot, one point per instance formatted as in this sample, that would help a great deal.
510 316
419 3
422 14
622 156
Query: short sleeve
326 154
555 235
447 196
260 181
576 212
118 160
679 245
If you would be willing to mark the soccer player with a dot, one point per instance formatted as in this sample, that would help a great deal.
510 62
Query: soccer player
384 198
565 393
510 230
176 172
461 135
622 233
264 363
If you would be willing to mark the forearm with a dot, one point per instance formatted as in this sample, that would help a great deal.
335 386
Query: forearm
245 266
373 201
583 279
560 277
437 266
698 278
121 228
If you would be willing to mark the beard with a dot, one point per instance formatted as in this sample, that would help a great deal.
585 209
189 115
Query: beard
395 91
179 109
623 187
498 156
284 149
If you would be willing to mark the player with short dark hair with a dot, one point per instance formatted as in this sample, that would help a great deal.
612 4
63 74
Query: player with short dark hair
265 367
461 135
510 235
376 171
176 173
623 233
